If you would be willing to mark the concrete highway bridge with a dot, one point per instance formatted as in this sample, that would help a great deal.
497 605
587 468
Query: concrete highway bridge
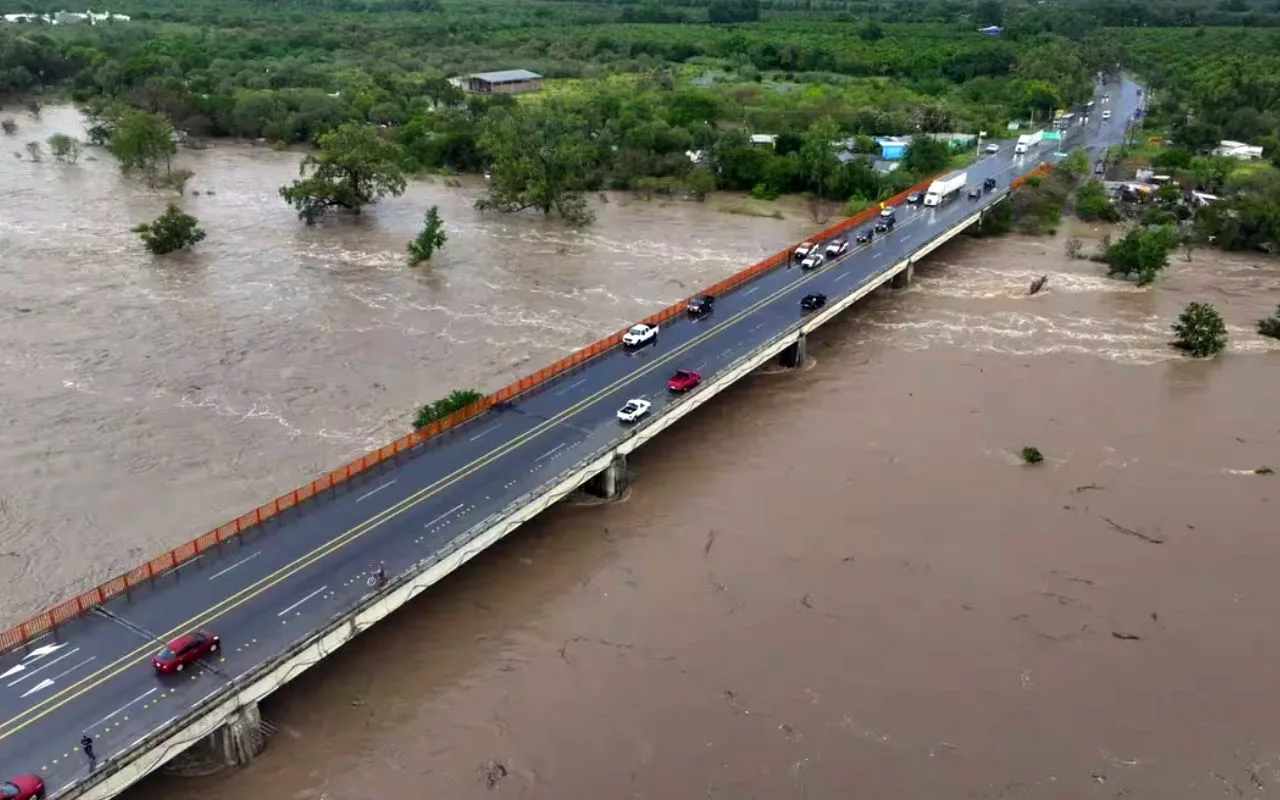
290 582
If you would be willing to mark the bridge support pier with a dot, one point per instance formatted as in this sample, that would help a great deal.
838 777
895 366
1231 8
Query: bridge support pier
903 279
241 739
795 354
611 483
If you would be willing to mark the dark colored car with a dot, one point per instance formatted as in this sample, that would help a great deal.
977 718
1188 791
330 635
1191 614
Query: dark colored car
186 649
885 224
684 380
701 305
864 237
23 787
813 301
988 184
975 193
915 199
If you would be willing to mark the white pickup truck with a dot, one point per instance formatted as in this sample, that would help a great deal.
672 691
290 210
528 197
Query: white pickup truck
640 335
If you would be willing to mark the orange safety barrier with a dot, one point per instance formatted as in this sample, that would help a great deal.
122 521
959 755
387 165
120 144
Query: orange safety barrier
43 622
1043 169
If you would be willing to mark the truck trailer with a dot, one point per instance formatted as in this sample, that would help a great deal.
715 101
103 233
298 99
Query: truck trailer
1027 141
943 188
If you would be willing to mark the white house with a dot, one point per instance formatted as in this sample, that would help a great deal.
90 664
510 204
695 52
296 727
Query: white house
1240 150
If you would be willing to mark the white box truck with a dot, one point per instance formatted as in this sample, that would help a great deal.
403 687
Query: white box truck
1027 141
943 188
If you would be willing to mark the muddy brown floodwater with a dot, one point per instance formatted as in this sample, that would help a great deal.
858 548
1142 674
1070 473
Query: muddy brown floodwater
829 583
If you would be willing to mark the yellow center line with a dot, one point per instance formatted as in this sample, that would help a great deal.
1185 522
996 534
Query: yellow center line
84 685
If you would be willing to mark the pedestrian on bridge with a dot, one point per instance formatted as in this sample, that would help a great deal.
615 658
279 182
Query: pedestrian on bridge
86 744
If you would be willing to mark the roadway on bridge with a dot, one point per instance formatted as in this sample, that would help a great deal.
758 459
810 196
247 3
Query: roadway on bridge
277 585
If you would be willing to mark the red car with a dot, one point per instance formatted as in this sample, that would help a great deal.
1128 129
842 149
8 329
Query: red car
684 380
184 650
23 787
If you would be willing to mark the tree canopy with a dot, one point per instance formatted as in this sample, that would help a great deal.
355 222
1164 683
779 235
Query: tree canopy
353 167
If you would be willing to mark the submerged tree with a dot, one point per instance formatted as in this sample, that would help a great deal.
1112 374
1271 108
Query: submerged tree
1143 252
540 155
430 239
354 167
172 230
1032 455
1270 326
142 142
1200 330
35 151
8 125
64 148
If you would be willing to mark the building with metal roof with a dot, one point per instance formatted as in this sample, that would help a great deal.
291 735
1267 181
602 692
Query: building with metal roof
507 81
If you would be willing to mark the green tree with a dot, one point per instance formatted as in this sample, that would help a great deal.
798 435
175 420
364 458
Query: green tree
1075 165
701 182
1092 203
430 239
172 230
1143 252
1270 326
454 401
64 148
354 167
926 156
1200 330
142 141
818 155
540 157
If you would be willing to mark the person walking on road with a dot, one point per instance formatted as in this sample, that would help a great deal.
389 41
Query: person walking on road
86 744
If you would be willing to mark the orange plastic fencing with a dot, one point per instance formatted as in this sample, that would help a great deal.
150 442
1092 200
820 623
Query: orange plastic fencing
47 620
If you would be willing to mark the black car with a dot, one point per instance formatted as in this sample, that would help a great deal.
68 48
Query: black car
701 305
885 224
914 199
975 193
813 301
988 184
864 237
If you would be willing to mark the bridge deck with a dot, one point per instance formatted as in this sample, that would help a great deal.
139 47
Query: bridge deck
277 585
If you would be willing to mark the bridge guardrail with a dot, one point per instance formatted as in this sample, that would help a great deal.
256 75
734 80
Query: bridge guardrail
86 601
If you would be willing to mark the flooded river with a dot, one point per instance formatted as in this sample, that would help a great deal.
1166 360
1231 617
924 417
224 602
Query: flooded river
828 583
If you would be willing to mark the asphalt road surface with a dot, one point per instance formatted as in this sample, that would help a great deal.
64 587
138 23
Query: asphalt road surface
274 587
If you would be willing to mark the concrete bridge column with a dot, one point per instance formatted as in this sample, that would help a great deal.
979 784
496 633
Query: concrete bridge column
903 279
795 354
611 483
240 739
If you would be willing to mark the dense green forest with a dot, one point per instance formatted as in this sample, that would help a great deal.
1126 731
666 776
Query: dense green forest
634 88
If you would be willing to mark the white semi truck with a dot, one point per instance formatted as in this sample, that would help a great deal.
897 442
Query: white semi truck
1027 141
943 188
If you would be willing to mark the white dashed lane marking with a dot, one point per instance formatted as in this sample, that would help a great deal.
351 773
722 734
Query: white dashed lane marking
300 602
372 492
550 452
220 573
